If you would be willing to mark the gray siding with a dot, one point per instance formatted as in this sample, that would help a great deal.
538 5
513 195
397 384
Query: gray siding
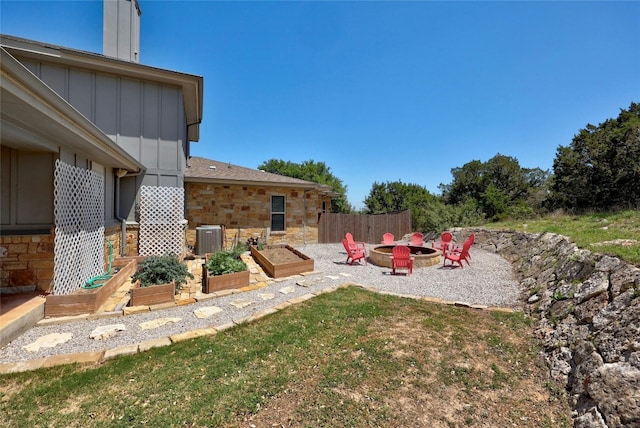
144 118
5 185
27 189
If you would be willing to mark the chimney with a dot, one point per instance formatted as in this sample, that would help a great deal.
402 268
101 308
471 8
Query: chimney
121 29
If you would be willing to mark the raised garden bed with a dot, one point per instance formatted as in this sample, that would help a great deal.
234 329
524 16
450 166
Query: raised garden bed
152 294
88 301
280 261
228 281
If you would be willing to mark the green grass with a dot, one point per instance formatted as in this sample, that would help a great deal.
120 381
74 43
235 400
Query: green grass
344 359
589 229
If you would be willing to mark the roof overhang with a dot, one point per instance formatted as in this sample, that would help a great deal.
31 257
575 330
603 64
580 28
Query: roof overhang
192 85
34 117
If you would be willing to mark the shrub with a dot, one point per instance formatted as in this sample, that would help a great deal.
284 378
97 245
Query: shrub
155 270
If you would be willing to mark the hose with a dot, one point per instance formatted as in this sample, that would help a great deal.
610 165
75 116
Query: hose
99 280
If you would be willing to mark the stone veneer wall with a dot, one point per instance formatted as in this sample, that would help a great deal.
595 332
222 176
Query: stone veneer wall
27 261
588 307
245 211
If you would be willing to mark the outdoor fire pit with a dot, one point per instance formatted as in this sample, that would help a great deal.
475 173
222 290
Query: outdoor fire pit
423 256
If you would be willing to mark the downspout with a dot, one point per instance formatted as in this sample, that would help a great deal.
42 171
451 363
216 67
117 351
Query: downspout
120 173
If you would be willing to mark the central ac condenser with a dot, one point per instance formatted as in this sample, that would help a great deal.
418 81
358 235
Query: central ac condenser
208 239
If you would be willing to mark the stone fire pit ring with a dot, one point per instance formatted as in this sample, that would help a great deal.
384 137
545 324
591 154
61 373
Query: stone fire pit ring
423 256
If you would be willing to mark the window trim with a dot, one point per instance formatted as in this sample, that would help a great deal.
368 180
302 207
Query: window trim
283 213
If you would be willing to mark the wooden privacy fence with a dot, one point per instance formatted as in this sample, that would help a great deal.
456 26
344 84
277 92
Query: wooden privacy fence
364 227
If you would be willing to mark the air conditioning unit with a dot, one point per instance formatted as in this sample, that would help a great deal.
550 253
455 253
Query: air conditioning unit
208 239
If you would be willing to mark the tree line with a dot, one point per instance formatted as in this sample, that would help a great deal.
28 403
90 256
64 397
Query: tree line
599 170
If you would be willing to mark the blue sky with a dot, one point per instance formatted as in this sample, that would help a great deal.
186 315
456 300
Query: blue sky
379 91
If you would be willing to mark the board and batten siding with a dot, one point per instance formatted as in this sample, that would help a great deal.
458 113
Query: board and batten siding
145 118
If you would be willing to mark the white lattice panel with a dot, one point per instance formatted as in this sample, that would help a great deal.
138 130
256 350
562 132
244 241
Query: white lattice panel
161 220
79 227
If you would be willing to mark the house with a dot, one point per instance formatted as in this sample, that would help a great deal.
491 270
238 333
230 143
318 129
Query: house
93 153
250 203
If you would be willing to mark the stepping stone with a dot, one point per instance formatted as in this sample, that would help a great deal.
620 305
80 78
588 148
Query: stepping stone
48 341
288 290
333 277
207 311
345 274
310 282
106 331
267 296
242 303
149 325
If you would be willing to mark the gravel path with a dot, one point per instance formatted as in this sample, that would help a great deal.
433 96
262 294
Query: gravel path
488 281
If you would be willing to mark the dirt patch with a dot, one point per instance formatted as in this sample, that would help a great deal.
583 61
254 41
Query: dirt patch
429 373
280 255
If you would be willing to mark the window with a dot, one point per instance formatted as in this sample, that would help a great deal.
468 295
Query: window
277 214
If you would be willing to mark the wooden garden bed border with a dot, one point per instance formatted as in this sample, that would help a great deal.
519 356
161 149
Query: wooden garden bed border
89 301
283 269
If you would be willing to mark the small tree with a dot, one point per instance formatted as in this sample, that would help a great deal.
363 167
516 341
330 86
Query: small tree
600 169
316 172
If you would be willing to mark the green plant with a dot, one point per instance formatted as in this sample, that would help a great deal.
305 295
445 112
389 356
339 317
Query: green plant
224 262
155 270
558 295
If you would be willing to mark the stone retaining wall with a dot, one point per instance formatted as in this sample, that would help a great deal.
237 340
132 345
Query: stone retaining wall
588 307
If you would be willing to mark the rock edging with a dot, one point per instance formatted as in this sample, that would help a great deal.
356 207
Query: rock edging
588 307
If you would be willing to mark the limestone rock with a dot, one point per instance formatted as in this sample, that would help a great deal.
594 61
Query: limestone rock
48 341
591 419
586 361
207 311
618 337
309 282
242 303
616 389
267 296
106 331
586 311
149 325
287 290
596 284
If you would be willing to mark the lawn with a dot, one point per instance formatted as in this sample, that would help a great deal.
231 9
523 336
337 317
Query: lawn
351 358
616 234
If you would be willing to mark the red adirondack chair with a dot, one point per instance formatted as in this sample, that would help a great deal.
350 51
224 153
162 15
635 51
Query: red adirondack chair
354 253
401 259
388 239
455 257
458 248
416 239
445 242
351 241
